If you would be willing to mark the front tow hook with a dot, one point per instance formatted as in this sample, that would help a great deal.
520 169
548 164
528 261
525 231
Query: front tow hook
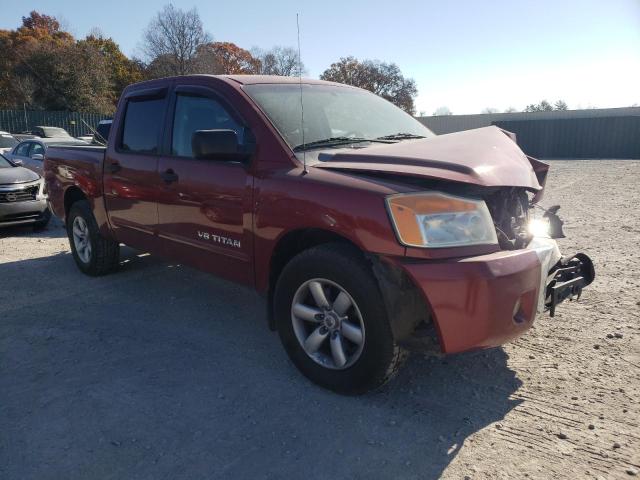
567 279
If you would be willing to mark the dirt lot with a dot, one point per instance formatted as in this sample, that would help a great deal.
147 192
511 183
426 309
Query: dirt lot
160 371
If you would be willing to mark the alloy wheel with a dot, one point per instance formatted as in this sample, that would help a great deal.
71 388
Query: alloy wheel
81 239
328 323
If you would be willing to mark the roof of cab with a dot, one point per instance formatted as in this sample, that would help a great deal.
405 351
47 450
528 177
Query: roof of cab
237 80
254 79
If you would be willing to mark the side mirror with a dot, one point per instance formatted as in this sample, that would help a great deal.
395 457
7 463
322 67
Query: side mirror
17 161
219 145
37 156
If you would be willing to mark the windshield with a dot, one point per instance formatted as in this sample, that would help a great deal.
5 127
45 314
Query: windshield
4 163
7 141
54 132
332 112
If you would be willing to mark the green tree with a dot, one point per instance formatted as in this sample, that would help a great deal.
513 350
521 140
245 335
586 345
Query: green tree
384 79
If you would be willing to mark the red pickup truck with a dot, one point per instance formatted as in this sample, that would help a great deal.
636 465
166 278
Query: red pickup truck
369 235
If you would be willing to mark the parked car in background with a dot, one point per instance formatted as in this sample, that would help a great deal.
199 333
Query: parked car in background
87 137
24 136
7 142
30 153
22 196
50 132
102 132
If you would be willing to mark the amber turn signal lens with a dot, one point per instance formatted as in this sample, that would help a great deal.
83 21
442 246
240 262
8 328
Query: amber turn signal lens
440 220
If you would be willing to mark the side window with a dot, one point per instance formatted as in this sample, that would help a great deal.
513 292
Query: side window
198 113
37 148
23 149
142 123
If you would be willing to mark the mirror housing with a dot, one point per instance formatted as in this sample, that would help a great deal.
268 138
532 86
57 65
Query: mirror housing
38 156
17 162
219 145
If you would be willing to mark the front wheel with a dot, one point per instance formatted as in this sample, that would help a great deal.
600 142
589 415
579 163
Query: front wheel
94 254
333 322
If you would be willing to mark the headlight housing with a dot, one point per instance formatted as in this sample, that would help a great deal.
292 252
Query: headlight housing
437 220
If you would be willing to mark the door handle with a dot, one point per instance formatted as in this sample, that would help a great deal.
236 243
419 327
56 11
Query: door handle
169 176
114 167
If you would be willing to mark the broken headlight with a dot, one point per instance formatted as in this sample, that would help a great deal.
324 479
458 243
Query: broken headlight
435 220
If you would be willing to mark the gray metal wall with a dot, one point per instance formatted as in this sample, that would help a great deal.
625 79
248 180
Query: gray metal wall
593 133
17 121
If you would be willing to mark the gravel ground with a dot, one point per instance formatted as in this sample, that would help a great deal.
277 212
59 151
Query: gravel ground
160 371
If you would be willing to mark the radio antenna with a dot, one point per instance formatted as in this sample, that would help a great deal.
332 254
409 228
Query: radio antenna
304 150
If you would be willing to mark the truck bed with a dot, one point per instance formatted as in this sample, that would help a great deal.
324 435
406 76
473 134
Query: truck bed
80 166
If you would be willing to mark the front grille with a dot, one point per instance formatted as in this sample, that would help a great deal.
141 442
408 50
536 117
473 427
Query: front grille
19 194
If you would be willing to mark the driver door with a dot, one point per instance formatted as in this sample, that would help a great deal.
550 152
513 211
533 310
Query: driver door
204 205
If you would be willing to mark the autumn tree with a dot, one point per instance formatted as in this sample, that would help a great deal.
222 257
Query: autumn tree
44 67
383 79
225 58
175 36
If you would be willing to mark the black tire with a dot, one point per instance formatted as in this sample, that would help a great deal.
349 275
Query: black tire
44 221
105 252
380 358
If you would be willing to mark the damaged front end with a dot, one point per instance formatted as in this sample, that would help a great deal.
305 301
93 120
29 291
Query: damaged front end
516 229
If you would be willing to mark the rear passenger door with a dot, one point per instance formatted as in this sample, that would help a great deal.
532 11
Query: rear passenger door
131 169
205 205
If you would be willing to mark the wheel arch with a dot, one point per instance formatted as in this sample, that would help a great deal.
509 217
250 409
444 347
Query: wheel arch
291 244
72 195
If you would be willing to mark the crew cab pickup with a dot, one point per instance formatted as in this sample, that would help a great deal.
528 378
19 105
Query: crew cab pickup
368 235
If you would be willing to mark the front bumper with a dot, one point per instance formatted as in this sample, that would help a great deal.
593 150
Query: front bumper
485 301
22 213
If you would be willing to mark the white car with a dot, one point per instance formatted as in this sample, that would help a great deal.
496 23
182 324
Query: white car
7 142
30 153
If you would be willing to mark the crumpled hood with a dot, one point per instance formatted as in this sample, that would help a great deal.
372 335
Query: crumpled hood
485 156
17 175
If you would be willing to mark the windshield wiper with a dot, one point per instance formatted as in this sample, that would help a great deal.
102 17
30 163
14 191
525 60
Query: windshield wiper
400 136
332 141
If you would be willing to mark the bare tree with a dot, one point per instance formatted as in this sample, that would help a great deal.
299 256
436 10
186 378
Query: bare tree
442 111
490 110
175 35
281 61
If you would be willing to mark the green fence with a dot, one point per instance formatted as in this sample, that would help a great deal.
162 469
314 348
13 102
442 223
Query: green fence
18 121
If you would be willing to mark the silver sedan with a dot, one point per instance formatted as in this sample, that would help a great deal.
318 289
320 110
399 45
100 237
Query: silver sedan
30 153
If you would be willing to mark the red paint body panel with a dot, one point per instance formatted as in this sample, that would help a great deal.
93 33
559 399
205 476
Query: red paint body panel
471 291
473 299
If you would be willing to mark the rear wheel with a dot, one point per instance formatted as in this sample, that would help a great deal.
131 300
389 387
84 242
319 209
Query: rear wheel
333 322
94 254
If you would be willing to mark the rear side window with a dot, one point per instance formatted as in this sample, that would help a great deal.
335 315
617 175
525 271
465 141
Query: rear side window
23 149
198 113
142 122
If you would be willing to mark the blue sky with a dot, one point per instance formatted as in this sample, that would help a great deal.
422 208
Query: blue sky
464 54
